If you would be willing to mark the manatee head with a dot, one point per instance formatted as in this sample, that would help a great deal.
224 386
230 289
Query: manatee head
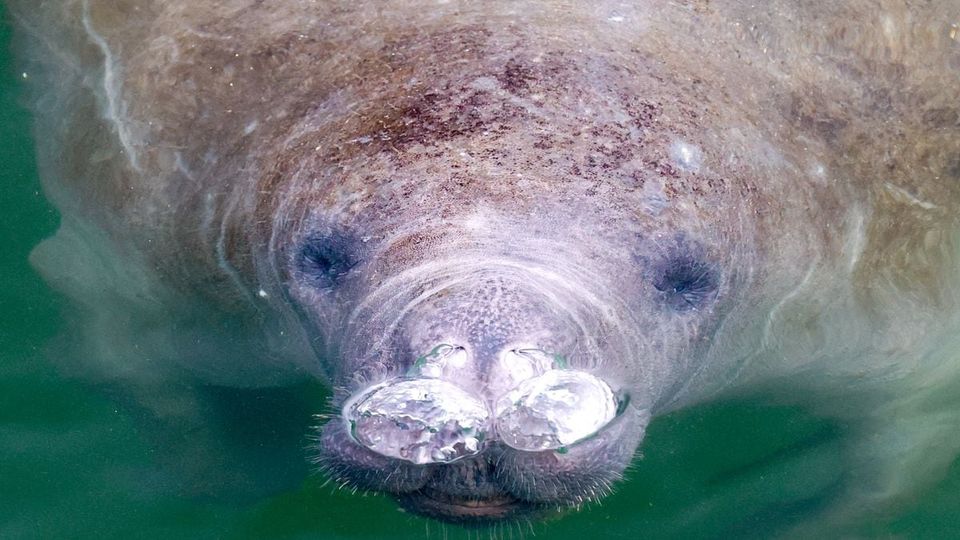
486 384
498 375
508 271
477 384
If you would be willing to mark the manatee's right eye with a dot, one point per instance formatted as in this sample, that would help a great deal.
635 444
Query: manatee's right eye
325 259
684 275
686 281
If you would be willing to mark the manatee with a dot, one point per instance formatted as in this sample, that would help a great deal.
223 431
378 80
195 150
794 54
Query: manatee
508 235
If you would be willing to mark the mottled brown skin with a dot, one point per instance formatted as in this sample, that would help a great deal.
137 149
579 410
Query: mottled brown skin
826 160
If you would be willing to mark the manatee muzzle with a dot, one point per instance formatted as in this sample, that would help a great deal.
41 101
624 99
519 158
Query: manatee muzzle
424 418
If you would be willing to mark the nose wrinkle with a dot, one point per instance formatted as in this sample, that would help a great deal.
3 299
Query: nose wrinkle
492 315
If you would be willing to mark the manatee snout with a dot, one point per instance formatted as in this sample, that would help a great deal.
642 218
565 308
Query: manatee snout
495 482
497 416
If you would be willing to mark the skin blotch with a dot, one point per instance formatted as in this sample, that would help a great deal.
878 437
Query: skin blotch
941 117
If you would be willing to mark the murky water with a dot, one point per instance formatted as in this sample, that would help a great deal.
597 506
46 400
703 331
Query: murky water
75 462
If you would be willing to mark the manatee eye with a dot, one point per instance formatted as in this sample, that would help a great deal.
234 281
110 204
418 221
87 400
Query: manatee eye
686 281
325 259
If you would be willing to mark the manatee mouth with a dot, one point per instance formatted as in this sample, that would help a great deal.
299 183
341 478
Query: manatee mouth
439 505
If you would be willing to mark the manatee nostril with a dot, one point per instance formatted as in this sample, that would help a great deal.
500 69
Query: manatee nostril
513 366
424 418
443 360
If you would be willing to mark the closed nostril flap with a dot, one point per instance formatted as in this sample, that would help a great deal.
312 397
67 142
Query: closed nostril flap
513 366
445 361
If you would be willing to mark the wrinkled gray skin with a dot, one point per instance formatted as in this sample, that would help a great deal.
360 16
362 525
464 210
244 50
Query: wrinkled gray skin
685 199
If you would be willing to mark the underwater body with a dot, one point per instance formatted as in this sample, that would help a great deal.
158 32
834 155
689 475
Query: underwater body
507 236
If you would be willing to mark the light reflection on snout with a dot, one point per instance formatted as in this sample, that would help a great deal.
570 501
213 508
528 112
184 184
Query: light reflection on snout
424 419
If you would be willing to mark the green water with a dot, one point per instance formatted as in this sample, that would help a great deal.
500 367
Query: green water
75 463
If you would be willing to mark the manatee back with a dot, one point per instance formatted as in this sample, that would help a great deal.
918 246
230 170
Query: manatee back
152 300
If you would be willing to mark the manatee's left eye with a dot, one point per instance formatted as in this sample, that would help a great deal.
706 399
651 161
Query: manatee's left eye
687 281
325 259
